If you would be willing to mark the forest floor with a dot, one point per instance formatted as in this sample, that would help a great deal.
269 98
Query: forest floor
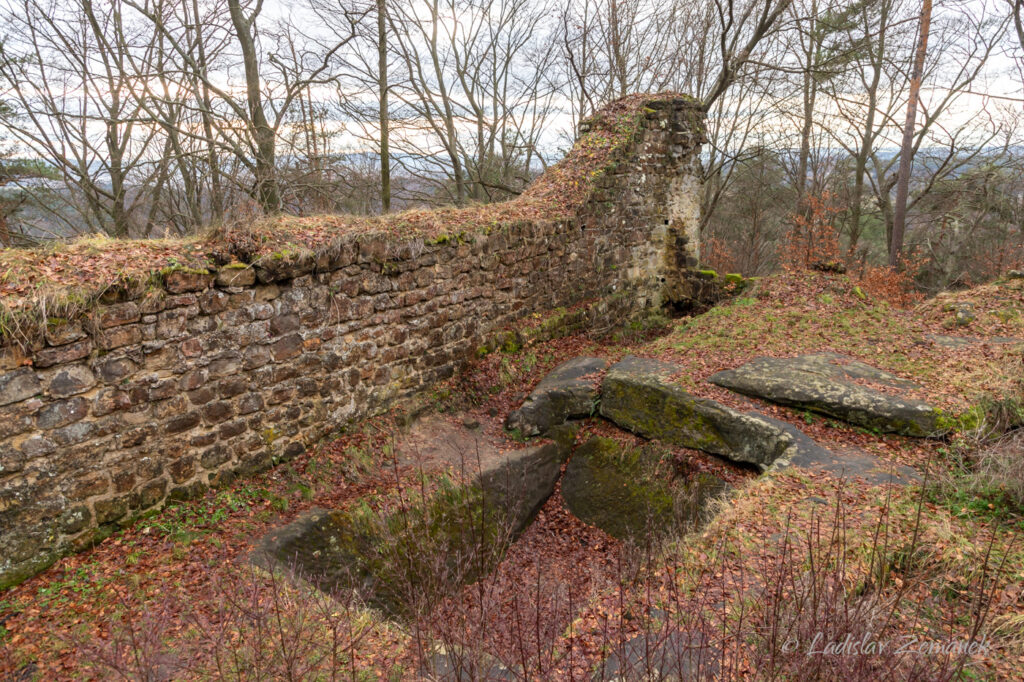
908 574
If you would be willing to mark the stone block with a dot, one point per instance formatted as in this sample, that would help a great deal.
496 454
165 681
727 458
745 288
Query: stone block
182 469
86 485
171 324
62 413
112 369
109 400
212 302
117 315
111 510
232 386
250 403
62 332
70 380
152 493
182 422
73 433
59 355
286 347
182 281
235 275
18 385
217 412
116 337
282 324
75 520
11 459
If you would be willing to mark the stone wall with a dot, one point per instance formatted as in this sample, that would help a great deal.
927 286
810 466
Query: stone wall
227 372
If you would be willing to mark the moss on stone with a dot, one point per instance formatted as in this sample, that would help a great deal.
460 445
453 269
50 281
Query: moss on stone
418 552
560 322
677 418
27 569
622 492
632 493
171 269
986 413
450 239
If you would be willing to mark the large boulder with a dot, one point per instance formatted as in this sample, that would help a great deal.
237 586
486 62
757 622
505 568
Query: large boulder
455 535
637 394
837 386
570 391
634 492
521 482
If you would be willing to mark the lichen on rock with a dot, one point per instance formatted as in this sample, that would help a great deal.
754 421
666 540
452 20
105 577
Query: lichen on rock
834 385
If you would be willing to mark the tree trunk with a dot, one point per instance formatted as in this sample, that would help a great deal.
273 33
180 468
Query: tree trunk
1018 20
266 192
118 213
212 160
809 93
899 217
451 143
618 61
5 230
867 139
382 89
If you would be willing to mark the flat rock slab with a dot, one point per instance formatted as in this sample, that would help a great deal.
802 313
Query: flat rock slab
334 549
957 342
521 481
309 547
828 383
569 391
807 453
438 441
637 395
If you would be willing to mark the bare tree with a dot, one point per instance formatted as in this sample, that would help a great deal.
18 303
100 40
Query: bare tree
899 219
740 28
1017 11
384 113
819 40
867 103
474 96
67 72
272 85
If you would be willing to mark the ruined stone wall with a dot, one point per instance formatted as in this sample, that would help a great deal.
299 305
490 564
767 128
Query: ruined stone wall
225 373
